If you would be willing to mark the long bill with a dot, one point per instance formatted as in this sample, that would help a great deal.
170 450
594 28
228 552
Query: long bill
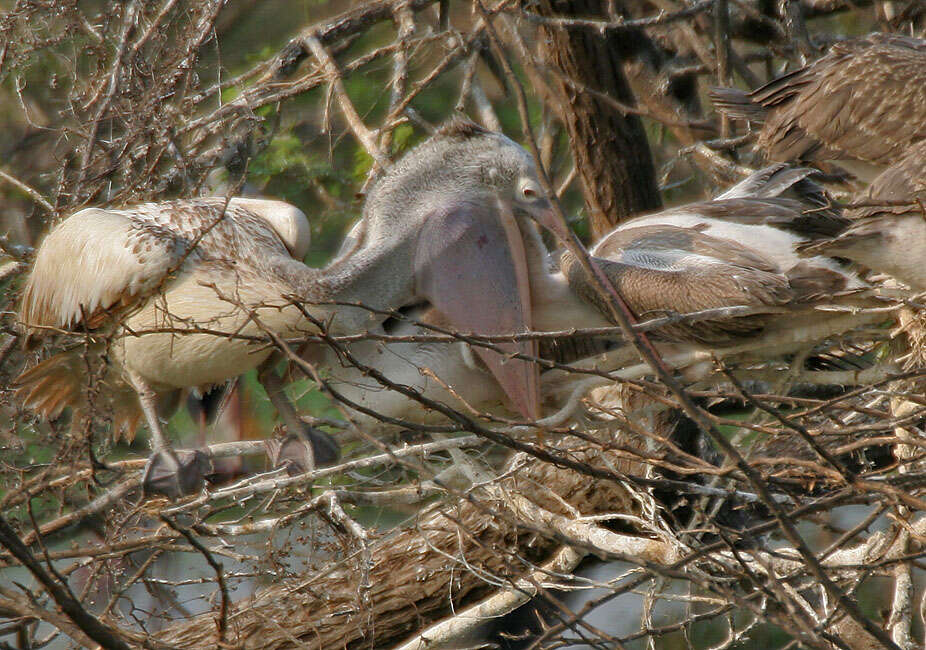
470 264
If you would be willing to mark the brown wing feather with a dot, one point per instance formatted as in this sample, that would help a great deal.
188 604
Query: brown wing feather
903 183
661 270
865 99
61 382
666 238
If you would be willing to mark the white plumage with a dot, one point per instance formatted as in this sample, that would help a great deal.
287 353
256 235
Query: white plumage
199 257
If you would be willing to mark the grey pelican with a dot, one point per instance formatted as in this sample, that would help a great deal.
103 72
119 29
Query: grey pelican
861 105
432 225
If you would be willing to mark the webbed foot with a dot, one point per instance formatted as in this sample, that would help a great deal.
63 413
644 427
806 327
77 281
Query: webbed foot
176 473
304 451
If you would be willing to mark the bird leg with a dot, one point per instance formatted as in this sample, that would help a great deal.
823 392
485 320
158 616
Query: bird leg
168 472
304 448
209 408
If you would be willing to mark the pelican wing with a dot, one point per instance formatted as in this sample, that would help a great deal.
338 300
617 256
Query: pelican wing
96 261
865 99
100 261
662 270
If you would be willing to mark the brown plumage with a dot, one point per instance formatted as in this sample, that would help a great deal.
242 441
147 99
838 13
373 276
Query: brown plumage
664 269
865 100
65 381
735 250
887 230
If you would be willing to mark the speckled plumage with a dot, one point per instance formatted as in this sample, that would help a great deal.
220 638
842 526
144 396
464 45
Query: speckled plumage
158 265
865 100
98 260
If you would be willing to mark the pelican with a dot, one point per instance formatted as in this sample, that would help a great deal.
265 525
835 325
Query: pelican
699 256
735 250
887 229
862 105
445 372
233 267
451 373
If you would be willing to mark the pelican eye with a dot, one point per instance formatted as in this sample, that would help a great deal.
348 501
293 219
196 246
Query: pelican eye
529 192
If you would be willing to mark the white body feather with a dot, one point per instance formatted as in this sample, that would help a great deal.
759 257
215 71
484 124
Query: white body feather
187 264
410 364
776 244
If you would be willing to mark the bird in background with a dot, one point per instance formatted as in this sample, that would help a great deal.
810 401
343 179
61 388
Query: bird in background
863 106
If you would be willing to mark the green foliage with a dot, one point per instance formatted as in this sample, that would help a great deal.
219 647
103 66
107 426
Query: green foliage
287 156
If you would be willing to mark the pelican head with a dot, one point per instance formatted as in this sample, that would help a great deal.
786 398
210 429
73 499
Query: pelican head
449 210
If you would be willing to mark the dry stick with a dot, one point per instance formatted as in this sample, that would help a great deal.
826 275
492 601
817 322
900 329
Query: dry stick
405 27
484 107
608 544
222 623
619 312
900 619
360 129
465 423
271 83
621 24
847 474
445 335
33 194
844 556
459 49
722 48
347 24
464 623
96 506
13 605
128 21
240 493
154 25
91 626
